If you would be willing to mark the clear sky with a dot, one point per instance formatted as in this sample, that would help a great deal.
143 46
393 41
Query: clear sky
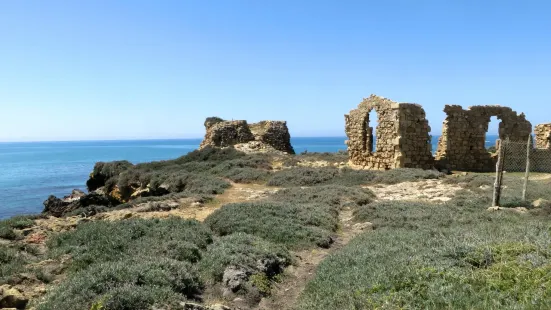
111 69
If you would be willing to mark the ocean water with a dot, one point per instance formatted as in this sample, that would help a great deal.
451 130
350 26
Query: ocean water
29 172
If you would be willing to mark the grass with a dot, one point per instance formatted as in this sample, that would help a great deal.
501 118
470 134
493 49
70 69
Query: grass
424 256
290 224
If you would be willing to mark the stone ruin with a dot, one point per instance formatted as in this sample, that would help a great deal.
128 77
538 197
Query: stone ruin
264 136
462 143
402 140
540 156
543 136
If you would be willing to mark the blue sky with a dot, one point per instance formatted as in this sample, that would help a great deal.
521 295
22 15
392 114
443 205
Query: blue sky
104 69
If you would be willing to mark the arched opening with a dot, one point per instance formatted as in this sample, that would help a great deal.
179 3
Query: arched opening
492 135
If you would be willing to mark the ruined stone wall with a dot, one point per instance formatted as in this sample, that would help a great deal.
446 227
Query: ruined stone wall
226 133
273 133
267 135
415 139
543 136
462 144
401 127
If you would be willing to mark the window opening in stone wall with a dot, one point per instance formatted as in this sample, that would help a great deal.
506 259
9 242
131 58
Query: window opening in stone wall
371 129
492 135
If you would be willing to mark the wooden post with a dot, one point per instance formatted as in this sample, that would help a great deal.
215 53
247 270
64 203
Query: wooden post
527 173
499 175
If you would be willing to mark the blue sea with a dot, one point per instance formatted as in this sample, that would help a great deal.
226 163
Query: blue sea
30 171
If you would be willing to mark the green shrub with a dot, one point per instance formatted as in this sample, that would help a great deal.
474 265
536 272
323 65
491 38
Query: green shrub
247 175
11 263
244 251
164 198
104 241
125 285
8 226
211 154
295 225
303 176
470 181
455 255
395 176
104 171
333 195
250 161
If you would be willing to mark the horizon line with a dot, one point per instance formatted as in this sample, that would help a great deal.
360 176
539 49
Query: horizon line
158 139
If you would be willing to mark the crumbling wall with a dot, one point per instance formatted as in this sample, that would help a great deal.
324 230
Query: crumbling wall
462 143
226 133
415 140
265 136
273 133
401 127
540 156
543 136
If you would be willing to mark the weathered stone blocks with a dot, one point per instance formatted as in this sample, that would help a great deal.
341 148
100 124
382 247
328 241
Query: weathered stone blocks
221 133
402 135
462 143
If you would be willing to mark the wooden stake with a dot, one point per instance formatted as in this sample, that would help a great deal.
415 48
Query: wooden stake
499 176
527 174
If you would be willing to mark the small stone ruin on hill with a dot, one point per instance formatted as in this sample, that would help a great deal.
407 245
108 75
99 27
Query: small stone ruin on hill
403 139
264 136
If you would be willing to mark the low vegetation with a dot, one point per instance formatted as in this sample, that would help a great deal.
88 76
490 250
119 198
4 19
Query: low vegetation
452 255
424 256
138 263
291 224
9 227
12 262
243 251
306 176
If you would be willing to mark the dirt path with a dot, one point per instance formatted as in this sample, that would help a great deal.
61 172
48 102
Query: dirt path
286 293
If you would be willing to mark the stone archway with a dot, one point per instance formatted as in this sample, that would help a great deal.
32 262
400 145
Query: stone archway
402 135
462 144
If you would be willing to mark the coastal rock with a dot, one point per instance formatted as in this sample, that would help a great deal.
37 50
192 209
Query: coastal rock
55 206
76 194
58 207
12 298
234 278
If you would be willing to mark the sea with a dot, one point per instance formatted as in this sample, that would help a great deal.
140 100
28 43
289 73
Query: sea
31 171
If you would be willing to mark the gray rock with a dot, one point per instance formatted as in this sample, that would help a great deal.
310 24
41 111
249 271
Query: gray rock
234 278
12 298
